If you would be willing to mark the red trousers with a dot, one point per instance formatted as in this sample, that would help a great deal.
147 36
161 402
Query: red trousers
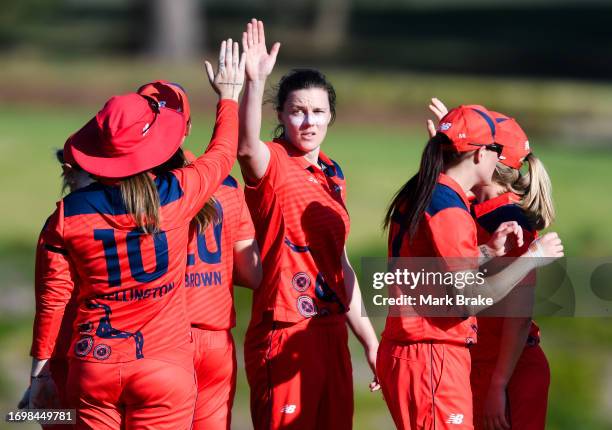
300 374
527 390
426 385
140 394
215 366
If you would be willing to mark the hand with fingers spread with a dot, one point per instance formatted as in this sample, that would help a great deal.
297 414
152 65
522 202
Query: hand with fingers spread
229 79
259 63
439 109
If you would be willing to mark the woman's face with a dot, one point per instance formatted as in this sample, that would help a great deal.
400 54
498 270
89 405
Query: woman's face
486 166
305 116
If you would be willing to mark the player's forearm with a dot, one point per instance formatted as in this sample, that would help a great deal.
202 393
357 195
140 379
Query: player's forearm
356 316
253 154
513 337
247 264
498 286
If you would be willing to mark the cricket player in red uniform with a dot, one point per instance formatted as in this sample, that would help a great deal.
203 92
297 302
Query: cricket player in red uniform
424 362
220 253
297 358
125 238
510 374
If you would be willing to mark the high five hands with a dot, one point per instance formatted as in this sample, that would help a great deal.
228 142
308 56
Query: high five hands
259 63
439 110
229 79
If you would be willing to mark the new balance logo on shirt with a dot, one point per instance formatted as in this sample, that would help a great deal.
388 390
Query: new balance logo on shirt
455 419
288 409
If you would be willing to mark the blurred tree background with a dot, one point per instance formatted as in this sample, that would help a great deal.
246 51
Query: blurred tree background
546 62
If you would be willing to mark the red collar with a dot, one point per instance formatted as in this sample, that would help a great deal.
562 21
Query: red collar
490 205
452 184
298 156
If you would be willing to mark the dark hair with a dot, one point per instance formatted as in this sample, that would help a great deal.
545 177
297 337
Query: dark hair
299 79
412 199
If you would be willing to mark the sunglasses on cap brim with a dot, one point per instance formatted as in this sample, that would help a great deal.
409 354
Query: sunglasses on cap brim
495 147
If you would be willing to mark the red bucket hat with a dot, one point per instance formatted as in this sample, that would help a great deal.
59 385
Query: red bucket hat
513 139
130 135
168 94
468 126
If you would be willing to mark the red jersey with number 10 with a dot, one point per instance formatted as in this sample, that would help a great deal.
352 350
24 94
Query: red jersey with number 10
210 261
131 297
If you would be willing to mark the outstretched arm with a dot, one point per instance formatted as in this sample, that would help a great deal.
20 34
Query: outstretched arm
253 154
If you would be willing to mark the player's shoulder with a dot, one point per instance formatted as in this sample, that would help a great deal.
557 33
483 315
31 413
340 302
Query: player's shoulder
508 212
444 198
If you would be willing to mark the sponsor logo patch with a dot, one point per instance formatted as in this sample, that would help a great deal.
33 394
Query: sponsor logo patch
306 306
301 281
102 352
288 409
83 346
455 419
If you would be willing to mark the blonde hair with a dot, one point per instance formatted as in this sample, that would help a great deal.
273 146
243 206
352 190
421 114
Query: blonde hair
141 198
534 189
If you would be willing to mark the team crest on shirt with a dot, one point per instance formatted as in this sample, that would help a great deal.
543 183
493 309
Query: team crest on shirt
306 306
102 351
301 281
83 346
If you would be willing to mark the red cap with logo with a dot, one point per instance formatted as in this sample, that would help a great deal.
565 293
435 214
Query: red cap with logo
130 135
513 139
168 94
468 126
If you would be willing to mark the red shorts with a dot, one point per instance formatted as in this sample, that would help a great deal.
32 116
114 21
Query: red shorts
140 394
527 390
426 385
215 366
300 374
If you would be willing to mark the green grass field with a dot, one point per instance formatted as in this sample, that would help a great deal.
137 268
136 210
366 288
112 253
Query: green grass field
376 158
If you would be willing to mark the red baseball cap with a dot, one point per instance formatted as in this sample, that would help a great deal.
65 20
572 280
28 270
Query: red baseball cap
130 135
467 126
513 140
168 94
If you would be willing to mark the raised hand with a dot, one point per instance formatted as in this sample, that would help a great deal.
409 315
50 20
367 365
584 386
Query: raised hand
259 63
439 110
229 79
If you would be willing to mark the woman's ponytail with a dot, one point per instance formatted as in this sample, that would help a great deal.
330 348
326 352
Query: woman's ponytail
534 188
537 201
411 201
